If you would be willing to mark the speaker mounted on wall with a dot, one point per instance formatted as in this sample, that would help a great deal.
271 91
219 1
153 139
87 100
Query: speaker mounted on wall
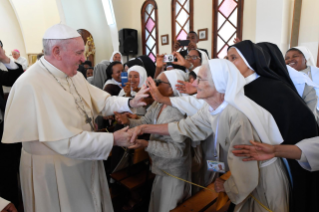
128 41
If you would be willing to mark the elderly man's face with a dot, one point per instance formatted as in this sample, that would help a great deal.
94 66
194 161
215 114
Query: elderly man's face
15 55
203 84
72 56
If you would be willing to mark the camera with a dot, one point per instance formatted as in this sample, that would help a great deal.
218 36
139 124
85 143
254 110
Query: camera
1 44
168 58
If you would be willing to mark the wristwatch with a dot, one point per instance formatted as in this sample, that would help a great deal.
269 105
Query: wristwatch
128 102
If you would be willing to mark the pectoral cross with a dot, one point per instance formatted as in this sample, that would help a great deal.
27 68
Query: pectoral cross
88 120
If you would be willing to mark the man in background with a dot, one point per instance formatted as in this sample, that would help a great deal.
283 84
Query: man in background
21 60
193 38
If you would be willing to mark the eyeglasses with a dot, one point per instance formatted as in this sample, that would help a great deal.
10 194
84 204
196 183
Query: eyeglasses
158 82
191 57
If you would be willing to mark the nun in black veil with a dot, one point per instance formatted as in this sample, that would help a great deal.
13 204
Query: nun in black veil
275 92
302 84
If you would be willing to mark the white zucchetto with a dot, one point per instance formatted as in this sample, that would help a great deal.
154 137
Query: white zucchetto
60 32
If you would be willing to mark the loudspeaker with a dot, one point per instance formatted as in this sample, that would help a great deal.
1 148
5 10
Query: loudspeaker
128 41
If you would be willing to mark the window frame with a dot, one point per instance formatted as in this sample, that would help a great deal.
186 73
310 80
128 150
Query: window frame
173 19
143 10
239 28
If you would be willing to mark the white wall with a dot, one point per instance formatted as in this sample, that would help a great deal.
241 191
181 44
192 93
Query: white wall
249 20
309 26
272 22
89 15
35 16
10 33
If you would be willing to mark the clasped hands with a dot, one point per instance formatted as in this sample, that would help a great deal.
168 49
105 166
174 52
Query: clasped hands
127 137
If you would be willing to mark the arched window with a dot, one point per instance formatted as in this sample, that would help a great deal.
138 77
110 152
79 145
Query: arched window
227 25
149 29
182 19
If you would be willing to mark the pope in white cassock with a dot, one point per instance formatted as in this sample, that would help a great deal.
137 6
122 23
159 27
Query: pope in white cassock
61 168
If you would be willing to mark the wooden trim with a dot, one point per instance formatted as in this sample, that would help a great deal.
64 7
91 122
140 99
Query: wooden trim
295 25
206 32
143 10
239 28
173 16
214 27
240 19
163 44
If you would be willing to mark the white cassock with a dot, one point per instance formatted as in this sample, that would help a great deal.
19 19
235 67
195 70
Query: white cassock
61 168
3 203
22 61
309 157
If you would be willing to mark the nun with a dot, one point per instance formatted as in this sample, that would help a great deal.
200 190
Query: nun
168 157
116 56
304 86
234 119
113 84
301 59
293 118
136 79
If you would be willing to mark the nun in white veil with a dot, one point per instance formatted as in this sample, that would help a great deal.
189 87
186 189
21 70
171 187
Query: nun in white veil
116 56
234 119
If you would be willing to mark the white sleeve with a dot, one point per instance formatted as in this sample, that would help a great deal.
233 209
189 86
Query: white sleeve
106 104
309 159
11 65
3 203
25 65
84 146
187 104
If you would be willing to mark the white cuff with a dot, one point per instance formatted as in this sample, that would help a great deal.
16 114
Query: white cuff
11 65
3 203
303 158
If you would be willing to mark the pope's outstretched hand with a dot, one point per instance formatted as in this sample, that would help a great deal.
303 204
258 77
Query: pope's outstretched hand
122 137
139 97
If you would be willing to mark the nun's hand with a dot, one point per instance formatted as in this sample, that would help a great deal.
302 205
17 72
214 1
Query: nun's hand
186 87
160 60
122 118
219 185
236 40
157 96
135 132
139 97
127 89
139 143
10 208
181 60
256 151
